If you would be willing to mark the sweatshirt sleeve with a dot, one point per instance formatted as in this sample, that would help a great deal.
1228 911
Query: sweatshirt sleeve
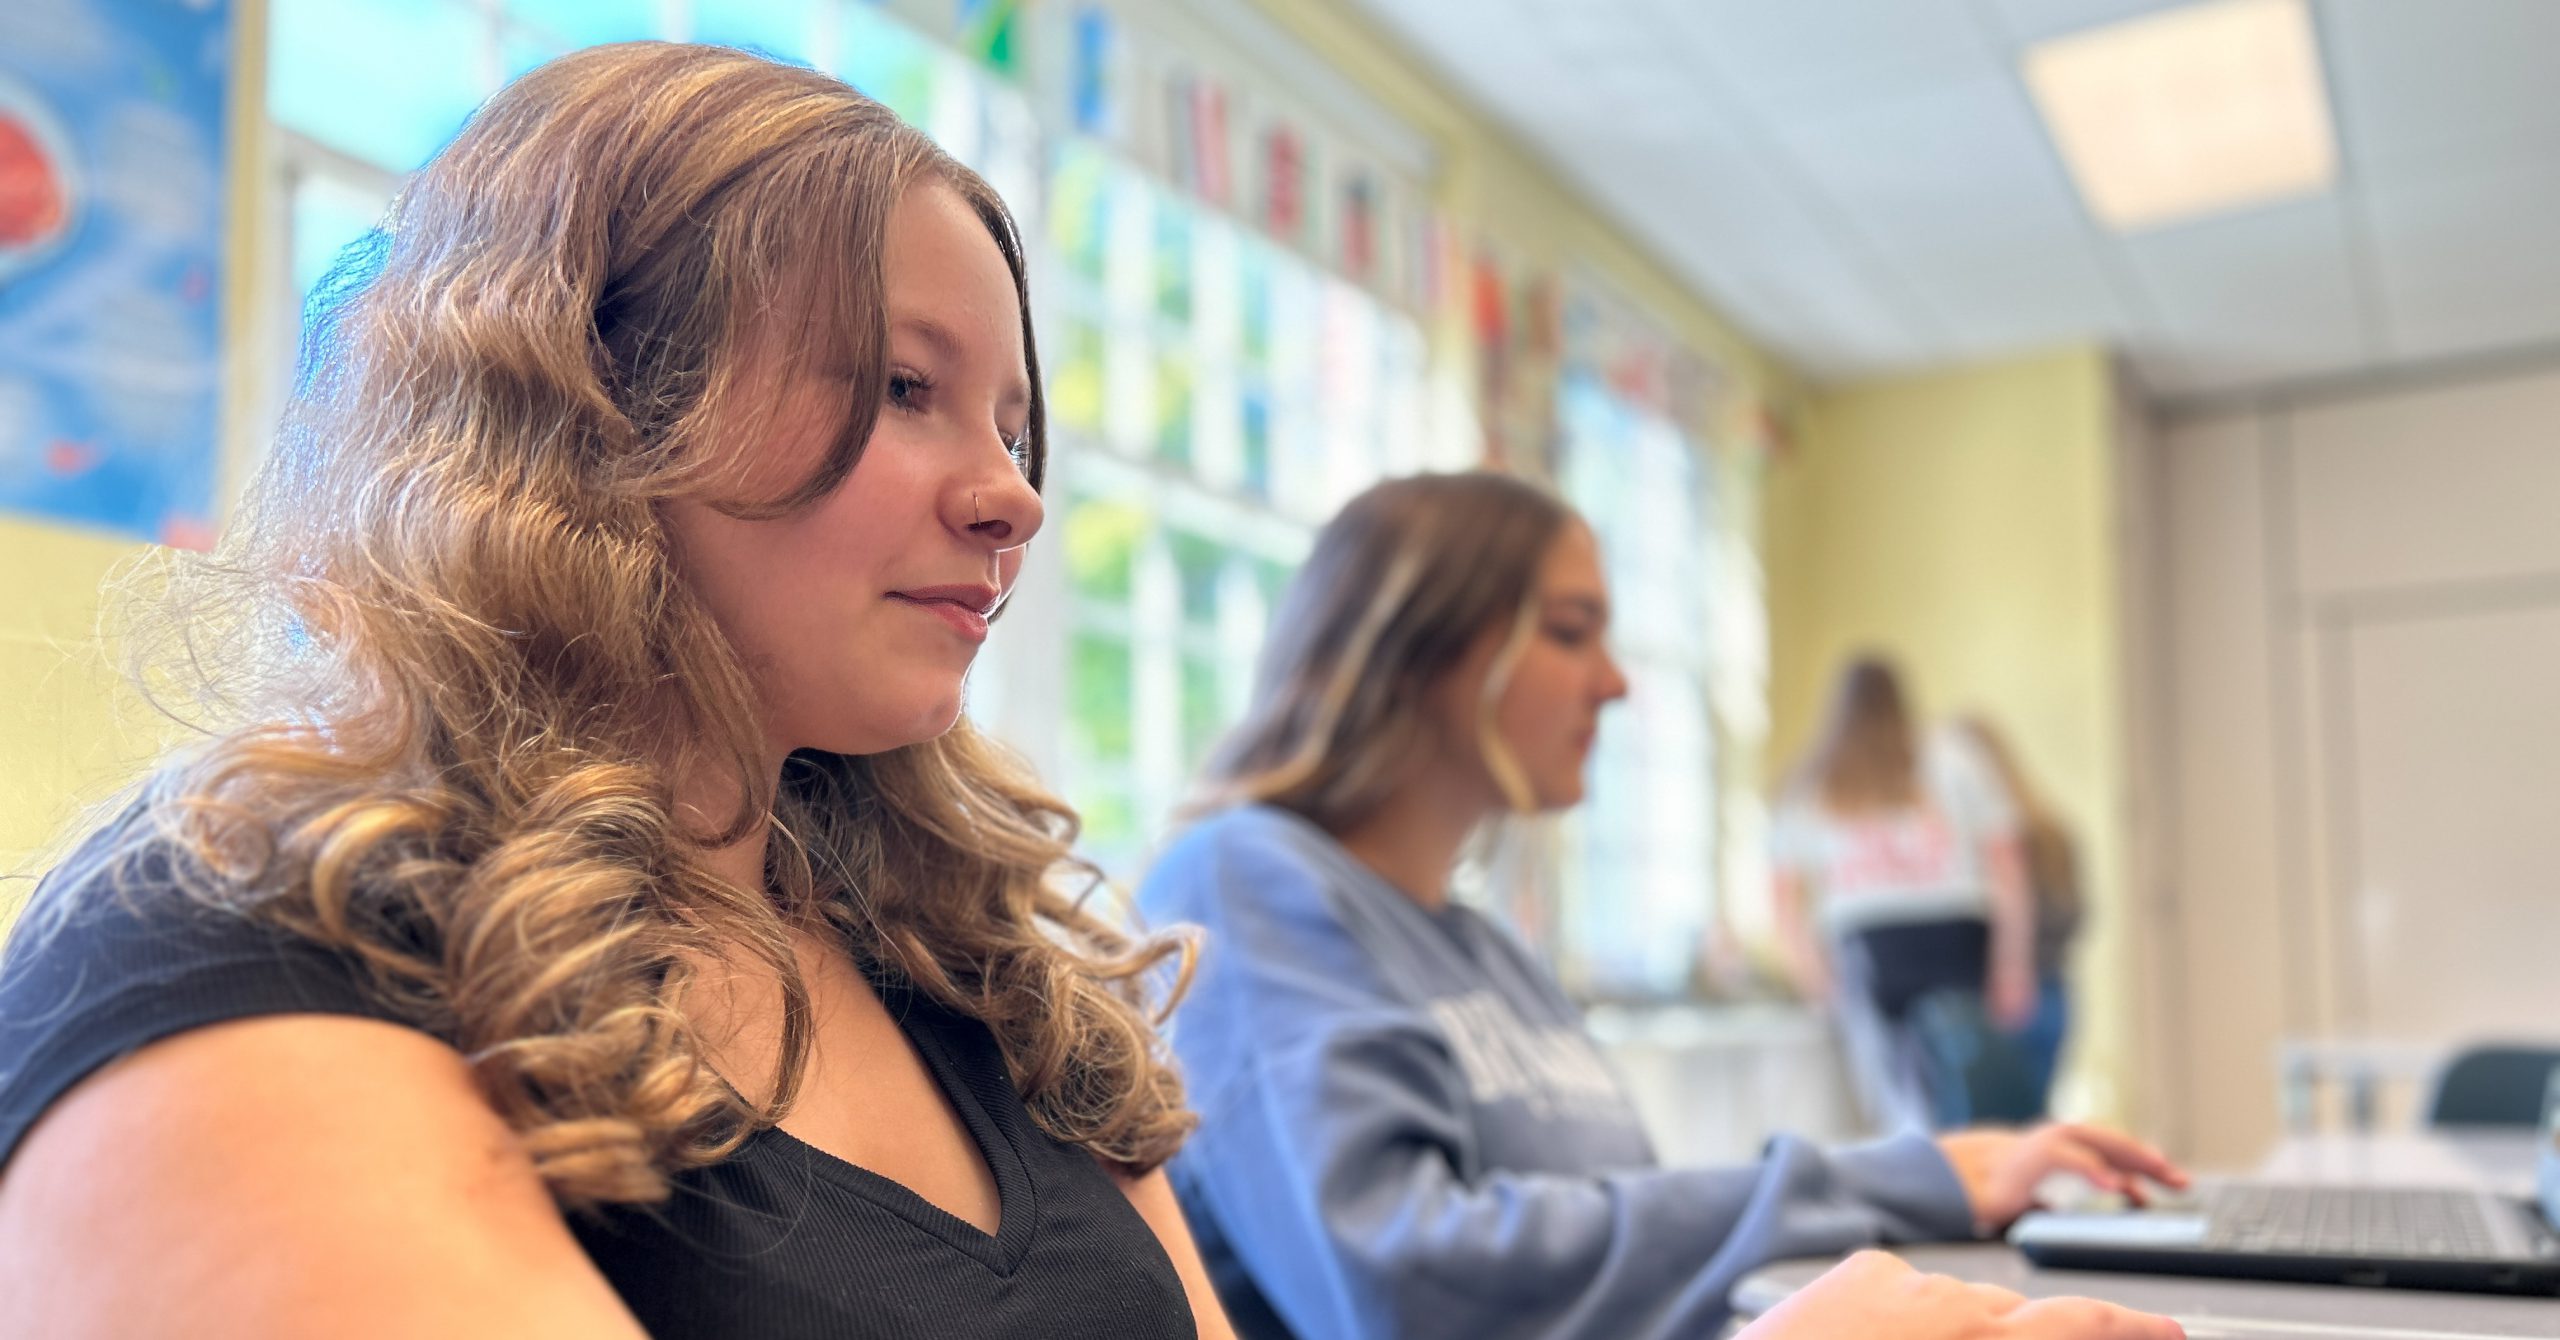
1337 1159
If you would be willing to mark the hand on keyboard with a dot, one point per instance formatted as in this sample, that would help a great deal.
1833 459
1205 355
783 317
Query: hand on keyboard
2001 1170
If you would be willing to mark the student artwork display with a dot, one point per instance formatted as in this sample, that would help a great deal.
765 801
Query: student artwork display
1515 321
1607 337
1249 153
990 33
111 213
1093 57
1252 156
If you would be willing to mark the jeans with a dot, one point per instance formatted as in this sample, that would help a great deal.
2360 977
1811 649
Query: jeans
1973 1071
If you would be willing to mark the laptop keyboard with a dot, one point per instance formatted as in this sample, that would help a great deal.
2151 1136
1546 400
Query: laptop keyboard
2344 1221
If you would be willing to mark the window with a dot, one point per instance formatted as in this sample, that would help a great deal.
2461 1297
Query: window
1640 870
1213 398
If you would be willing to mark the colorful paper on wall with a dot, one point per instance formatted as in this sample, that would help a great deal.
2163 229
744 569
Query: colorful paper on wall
1283 199
778 28
880 56
1359 228
1092 76
990 32
1211 176
111 224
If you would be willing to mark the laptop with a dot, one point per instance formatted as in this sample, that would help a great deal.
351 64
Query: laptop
2397 1237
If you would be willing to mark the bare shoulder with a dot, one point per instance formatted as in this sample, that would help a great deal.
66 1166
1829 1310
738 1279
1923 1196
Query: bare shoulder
288 1175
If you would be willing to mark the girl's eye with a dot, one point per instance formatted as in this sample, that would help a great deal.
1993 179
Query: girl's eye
1568 637
1020 450
907 390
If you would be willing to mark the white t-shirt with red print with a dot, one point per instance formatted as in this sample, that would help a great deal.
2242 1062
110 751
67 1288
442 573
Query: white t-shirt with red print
1916 864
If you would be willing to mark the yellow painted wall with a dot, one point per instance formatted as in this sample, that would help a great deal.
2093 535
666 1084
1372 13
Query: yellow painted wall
1965 523
68 728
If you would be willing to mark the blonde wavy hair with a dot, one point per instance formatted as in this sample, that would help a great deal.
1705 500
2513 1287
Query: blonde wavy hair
1398 587
454 649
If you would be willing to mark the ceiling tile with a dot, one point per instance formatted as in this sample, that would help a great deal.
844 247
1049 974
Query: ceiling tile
1816 57
2264 296
1964 162
1821 302
2467 261
2475 231
2418 86
1722 210
1774 53
2030 293
2029 21
2522 317
2279 277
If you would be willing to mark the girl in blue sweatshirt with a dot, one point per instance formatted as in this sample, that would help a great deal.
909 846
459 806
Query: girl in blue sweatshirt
1405 1130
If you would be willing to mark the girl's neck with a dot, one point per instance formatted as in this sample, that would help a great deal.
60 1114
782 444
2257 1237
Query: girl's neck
706 801
1412 839
741 863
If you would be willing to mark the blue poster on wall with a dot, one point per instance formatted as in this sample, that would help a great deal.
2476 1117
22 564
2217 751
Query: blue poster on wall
111 210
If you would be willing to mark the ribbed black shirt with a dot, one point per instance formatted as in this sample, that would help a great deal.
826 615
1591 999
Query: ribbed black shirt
780 1241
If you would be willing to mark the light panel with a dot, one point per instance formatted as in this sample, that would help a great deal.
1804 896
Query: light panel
2193 111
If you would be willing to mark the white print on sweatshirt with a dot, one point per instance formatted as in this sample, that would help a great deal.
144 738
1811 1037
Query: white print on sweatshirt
1554 1070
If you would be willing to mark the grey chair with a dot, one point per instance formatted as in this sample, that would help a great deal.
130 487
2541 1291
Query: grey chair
2497 1085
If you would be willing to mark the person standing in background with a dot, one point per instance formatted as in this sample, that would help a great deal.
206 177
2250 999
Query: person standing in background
1899 898
2018 1086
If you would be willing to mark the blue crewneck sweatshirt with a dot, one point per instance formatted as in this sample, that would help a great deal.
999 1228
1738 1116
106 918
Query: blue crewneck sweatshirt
1407 1133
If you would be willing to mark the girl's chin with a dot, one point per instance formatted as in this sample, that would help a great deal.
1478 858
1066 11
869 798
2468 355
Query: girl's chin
929 718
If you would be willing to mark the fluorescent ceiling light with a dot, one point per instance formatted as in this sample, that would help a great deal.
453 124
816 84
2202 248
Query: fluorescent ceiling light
2203 108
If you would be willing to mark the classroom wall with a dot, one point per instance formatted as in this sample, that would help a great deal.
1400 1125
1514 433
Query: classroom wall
67 729
1967 523
2362 612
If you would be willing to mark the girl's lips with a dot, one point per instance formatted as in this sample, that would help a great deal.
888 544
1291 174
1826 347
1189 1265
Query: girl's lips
961 618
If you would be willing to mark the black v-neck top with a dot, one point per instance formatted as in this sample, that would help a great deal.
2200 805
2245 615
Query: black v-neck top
780 1241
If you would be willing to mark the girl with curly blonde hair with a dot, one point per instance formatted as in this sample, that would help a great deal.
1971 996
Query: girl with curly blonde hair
596 914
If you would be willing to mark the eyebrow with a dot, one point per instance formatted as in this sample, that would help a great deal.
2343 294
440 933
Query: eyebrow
1593 606
948 347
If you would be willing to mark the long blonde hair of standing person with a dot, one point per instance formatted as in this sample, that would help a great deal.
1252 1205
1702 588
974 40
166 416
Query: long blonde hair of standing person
455 670
1866 757
2052 864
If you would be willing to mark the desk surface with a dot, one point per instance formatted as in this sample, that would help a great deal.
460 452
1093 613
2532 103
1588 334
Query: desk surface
2214 1309
2211 1309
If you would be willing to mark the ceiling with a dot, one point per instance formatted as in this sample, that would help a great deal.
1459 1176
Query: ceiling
1865 185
